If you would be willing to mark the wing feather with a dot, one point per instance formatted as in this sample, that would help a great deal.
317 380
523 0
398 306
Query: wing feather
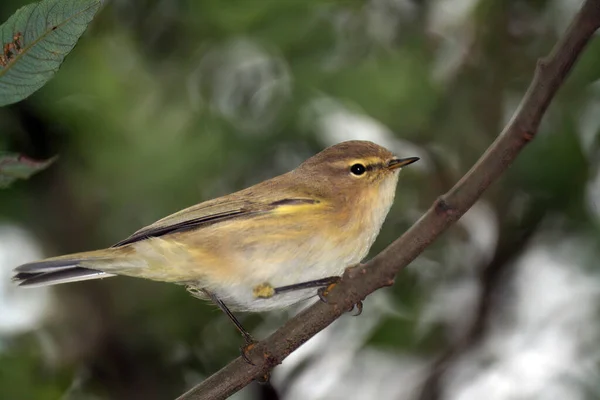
208 213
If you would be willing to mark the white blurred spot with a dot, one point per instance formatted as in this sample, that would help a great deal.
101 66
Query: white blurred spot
337 124
561 12
246 83
341 367
384 18
589 132
593 194
481 225
20 309
451 304
589 121
452 23
545 345
358 31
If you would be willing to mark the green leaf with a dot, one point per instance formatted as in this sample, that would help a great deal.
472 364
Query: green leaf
35 41
15 166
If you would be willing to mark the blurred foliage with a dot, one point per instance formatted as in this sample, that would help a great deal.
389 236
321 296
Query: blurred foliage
167 103
13 167
31 379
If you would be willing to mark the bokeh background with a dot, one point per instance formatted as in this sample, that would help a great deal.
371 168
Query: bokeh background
165 103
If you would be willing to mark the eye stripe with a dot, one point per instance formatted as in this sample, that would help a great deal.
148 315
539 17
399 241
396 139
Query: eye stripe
371 167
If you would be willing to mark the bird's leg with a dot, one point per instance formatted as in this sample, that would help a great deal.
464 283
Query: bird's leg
250 342
324 283
247 337
266 290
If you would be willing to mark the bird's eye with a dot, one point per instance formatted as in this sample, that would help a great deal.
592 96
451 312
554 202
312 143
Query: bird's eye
358 169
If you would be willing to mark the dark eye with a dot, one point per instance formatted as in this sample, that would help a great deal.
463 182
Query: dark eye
358 169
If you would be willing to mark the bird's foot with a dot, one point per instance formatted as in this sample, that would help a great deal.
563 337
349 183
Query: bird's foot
245 350
263 379
245 353
359 308
322 292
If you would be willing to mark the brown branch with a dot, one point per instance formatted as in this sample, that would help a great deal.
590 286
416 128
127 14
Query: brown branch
361 281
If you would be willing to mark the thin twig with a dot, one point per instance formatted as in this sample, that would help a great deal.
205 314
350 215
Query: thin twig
359 282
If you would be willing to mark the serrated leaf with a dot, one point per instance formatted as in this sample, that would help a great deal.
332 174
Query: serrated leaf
35 41
15 166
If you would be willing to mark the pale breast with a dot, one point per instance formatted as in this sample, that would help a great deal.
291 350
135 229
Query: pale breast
310 254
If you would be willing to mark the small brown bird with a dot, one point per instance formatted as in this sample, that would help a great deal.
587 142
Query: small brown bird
268 246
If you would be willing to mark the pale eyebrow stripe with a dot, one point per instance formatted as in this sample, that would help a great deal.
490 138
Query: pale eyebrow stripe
370 163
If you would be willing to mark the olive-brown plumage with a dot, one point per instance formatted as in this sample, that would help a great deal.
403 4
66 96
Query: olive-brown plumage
307 224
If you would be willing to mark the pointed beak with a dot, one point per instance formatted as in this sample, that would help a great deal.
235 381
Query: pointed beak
396 163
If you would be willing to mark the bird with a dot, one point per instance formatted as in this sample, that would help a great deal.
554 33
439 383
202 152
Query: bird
262 248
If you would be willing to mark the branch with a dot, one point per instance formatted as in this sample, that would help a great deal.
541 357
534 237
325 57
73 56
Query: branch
360 281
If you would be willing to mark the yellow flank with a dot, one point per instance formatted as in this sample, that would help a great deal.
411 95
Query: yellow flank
263 291
305 225
296 209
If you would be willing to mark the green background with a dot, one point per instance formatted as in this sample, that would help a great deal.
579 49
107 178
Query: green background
163 104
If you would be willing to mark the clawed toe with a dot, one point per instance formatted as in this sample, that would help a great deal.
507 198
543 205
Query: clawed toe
245 350
263 379
322 292
245 353
359 308
322 295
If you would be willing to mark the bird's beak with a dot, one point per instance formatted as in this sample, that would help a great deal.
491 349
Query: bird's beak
396 163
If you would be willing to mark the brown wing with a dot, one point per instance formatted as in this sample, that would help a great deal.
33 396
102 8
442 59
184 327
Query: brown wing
208 213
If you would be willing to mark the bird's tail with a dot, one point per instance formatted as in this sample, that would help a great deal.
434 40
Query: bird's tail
69 268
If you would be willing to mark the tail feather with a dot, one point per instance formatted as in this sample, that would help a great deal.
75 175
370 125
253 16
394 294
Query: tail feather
65 269
49 265
75 274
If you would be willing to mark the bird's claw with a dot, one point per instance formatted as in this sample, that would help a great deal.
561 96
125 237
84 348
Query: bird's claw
244 350
322 292
359 308
263 379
